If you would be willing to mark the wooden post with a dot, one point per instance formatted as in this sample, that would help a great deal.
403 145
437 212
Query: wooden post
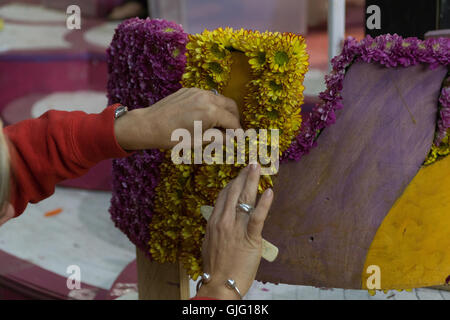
184 283
161 281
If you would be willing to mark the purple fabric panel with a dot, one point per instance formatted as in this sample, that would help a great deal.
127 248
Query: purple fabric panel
340 193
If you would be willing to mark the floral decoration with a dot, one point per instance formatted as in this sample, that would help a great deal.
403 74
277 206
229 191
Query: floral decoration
155 202
272 99
146 60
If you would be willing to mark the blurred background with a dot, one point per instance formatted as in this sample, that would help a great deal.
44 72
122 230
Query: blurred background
41 56
44 65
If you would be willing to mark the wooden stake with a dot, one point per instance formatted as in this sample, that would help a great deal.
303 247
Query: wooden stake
161 281
184 283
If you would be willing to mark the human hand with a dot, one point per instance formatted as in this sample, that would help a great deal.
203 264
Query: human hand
6 213
232 246
152 127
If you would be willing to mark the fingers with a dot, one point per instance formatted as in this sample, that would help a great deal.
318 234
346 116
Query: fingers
250 191
222 118
214 222
222 111
219 205
219 110
258 216
234 192
227 104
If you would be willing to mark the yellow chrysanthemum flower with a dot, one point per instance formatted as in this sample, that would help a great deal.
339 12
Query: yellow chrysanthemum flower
269 94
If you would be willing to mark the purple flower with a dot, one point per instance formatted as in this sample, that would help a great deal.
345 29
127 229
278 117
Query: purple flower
444 119
146 60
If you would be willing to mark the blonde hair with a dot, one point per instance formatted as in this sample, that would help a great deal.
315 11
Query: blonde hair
4 171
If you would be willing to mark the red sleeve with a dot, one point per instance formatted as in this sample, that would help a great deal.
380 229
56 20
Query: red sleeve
57 146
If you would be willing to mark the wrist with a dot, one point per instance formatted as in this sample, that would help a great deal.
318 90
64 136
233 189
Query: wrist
120 131
217 291
126 130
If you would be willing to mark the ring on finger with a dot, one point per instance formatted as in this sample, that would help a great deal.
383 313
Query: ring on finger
246 208
215 92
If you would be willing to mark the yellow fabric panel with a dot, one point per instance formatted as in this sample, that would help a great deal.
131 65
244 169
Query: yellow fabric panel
412 245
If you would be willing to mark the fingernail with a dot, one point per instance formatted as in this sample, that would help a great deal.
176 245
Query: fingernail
268 193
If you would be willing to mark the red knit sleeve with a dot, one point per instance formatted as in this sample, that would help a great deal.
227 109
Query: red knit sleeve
57 146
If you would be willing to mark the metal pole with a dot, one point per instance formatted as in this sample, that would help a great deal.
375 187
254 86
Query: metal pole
336 27
172 10
153 9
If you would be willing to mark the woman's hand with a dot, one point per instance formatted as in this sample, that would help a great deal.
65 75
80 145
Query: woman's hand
152 127
232 246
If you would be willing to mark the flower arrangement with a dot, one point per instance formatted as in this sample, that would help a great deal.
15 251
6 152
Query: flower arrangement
155 202
270 72
391 51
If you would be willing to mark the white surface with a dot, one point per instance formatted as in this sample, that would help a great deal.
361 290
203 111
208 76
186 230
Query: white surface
83 234
336 27
87 101
29 12
290 292
27 37
270 291
129 296
101 35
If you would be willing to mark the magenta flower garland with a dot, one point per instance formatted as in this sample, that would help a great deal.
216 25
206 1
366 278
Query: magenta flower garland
444 113
146 60
388 50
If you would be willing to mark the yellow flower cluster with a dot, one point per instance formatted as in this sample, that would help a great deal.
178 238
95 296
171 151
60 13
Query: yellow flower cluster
272 93
436 152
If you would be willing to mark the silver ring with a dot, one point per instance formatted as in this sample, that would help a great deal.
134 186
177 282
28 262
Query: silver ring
246 207
215 92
